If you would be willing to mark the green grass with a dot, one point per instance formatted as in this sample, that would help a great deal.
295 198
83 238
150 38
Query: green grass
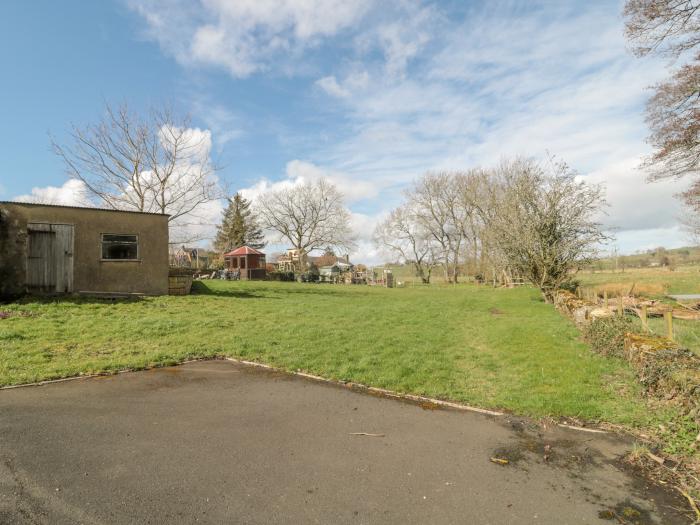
498 348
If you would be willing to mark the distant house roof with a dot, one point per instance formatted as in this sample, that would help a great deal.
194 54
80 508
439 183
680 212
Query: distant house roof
330 260
243 250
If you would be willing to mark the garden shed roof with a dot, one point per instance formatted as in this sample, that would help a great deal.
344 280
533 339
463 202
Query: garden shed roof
244 250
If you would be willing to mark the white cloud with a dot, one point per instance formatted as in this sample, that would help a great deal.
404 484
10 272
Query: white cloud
299 172
640 240
264 185
402 40
72 193
363 224
251 36
225 125
330 85
200 225
527 85
414 86
633 203
353 189
245 36
354 82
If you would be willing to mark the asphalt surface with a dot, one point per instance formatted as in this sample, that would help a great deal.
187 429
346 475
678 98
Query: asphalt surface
216 442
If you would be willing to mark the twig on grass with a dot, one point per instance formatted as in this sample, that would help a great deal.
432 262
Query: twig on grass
691 502
656 458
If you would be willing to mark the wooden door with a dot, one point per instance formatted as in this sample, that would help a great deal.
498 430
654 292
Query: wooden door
50 258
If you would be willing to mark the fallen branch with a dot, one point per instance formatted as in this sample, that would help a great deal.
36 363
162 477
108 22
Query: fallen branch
691 502
656 458
582 429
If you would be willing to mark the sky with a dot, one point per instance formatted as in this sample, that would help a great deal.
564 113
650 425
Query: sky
370 94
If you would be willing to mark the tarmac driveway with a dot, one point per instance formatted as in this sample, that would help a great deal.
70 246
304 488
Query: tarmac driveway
217 442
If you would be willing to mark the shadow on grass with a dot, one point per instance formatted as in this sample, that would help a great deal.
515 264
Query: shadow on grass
321 289
71 299
267 292
201 288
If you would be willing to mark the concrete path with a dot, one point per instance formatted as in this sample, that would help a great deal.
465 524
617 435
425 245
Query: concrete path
216 442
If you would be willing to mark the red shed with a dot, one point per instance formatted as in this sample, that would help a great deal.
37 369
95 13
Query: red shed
249 261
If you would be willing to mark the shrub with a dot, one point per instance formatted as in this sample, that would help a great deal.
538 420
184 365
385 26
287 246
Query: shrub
280 276
570 285
176 271
312 275
607 335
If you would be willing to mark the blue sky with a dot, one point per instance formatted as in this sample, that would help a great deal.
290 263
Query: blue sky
367 93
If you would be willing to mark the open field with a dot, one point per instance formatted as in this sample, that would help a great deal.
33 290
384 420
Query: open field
493 348
653 283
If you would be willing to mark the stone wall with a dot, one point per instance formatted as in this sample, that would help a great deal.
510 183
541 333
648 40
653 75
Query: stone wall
666 370
579 310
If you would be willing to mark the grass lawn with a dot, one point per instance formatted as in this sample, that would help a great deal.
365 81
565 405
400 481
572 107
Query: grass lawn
492 348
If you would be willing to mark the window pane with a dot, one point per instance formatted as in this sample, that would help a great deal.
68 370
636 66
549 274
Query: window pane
118 238
119 247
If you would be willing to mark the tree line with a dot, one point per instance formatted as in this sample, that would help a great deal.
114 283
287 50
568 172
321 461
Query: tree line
521 219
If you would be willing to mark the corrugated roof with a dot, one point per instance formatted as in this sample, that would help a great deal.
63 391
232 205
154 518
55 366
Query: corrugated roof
243 250
81 208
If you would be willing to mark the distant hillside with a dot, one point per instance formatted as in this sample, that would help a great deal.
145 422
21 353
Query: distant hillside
658 257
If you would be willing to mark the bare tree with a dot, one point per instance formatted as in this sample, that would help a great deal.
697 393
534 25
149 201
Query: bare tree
673 115
542 220
662 26
403 235
469 187
671 28
310 216
157 163
691 216
436 206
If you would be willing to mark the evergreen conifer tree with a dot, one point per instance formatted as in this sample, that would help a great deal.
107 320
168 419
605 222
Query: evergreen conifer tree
239 226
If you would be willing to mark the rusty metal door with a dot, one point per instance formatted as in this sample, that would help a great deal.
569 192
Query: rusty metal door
50 258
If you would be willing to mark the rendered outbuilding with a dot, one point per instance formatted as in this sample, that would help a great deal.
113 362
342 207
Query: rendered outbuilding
48 249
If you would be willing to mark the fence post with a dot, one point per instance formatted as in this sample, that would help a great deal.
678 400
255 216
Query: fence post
669 325
605 298
620 309
645 322
578 292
